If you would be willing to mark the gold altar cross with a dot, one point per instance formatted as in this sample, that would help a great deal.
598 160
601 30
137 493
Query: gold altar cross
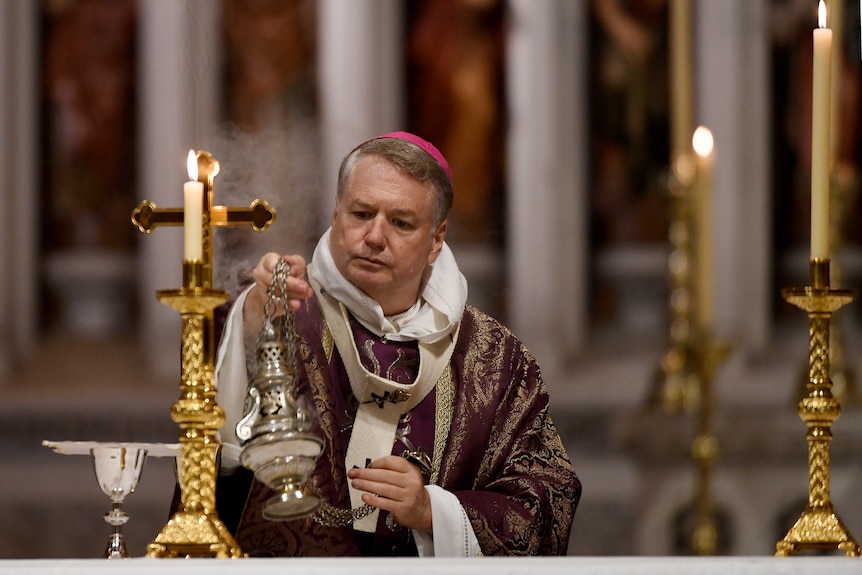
259 215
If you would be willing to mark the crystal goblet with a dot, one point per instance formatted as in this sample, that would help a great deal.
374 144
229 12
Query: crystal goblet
118 470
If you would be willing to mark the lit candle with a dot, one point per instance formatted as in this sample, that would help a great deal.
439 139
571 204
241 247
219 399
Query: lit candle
703 144
193 196
820 143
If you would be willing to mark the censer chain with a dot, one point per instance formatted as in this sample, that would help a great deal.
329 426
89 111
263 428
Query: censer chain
330 516
327 515
277 293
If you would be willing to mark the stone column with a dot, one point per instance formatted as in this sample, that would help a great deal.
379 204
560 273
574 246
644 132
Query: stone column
360 55
732 82
178 91
547 204
19 184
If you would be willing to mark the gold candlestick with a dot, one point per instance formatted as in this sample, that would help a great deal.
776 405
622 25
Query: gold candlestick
819 527
195 529
675 385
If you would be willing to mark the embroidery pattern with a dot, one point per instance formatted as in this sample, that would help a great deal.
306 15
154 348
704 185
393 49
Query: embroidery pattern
399 363
327 341
442 420
368 353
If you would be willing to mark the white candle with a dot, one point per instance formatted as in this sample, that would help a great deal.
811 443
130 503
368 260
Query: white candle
703 144
681 76
820 143
836 24
193 196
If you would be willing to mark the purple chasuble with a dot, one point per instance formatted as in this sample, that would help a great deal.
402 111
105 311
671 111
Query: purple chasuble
503 458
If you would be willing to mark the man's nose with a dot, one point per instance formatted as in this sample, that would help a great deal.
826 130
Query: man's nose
376 232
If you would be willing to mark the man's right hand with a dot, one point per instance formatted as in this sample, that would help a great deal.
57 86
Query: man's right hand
298 288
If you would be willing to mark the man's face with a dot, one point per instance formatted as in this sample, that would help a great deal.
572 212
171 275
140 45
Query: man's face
383 235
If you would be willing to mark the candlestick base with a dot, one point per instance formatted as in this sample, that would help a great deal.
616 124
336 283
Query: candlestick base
818 530
189 534
707 531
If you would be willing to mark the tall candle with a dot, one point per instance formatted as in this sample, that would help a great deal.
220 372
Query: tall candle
193 200
703 144
836 24
681 89
820 144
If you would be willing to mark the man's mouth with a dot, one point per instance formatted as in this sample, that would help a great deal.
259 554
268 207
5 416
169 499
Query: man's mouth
371 261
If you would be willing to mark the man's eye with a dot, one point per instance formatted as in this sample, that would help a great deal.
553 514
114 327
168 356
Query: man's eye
362 215
401 224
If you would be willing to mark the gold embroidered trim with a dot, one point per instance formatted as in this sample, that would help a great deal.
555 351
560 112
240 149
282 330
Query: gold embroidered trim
327 341
442 420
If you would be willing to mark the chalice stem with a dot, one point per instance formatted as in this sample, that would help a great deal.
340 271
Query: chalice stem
116 517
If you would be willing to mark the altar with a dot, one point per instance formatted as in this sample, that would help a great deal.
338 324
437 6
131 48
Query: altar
415 566
621 457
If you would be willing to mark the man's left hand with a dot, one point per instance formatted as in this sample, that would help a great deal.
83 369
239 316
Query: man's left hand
394 484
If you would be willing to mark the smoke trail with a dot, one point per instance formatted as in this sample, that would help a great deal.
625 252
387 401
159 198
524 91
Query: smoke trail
278 164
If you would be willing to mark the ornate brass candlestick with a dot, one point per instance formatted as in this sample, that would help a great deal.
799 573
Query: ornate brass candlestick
819 527
195 529
675 386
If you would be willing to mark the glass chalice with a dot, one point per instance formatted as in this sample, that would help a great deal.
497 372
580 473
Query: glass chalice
118 470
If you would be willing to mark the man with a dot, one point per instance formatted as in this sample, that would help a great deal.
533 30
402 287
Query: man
395 362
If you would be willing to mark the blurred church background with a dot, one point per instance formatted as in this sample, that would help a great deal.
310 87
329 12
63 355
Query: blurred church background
557 119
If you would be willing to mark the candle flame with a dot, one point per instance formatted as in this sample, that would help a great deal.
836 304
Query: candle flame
192 166
821 14
702 142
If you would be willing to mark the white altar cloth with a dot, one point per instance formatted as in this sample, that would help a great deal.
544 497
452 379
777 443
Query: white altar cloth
801 565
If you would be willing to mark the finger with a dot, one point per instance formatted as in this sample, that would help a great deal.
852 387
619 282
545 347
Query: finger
380 502
395 484
263 271
297 265
298 288
390 470
390 462
384 483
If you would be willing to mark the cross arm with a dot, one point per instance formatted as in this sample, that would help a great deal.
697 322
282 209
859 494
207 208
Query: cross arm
147 216
259 215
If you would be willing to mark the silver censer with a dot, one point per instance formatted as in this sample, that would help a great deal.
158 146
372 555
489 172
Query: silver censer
275 430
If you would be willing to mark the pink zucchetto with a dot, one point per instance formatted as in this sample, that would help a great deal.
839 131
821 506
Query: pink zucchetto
425 145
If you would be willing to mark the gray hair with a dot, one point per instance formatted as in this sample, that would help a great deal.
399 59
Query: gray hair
409 158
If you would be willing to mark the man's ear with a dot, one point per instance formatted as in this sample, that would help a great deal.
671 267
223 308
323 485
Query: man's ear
438 238
334 210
